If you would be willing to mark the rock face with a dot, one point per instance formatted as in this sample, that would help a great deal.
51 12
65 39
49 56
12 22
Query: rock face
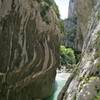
72 8
70 25
76 24
83 12
86 84
29 51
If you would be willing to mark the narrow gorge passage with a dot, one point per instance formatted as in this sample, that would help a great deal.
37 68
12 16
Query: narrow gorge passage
60 81
49 49
62 74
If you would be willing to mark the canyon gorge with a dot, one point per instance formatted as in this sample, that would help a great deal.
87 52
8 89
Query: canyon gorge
31 36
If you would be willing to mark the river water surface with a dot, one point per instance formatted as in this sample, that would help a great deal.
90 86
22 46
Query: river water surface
60 81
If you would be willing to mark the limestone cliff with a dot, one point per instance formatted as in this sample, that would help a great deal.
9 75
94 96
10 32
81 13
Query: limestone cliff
29 51
83 12
86 83
76 24
70 25
72 8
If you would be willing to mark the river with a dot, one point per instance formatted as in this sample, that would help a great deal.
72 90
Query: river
60 81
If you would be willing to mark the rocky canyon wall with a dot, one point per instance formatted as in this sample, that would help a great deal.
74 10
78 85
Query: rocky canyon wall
29 49
83 13
86 83
72 8
76 24
70 25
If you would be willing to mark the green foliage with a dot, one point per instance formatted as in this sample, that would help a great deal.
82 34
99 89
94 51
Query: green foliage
45 6
98 65
55 8
97 54
97 97
77 55
98 16
44 9
97 42
62 26
71 25
98 33
50 2
86 80
67 55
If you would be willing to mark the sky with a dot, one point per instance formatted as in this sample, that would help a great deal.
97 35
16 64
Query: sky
63 8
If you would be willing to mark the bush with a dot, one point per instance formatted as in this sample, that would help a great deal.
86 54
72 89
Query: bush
55 8
97 97
67 56
50 2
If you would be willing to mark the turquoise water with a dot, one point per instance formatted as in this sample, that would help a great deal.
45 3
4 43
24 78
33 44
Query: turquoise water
61 79
59 85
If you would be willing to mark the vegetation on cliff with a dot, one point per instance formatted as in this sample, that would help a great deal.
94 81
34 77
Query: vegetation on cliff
67 55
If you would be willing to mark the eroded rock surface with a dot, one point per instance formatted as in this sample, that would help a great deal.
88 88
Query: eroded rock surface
70 26
72 8
28 49
86 84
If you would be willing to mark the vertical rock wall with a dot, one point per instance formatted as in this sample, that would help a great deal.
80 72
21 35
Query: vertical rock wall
29 49
70 25
72 8
86 83
83 9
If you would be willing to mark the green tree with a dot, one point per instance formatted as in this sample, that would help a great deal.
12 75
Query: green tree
67 55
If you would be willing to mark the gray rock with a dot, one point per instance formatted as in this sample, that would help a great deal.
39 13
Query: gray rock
86 84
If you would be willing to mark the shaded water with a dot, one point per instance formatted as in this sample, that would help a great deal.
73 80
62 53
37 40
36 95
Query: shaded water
61 79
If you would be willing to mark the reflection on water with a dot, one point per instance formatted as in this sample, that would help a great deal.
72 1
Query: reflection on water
61 79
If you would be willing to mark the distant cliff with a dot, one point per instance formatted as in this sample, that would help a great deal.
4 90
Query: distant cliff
70 25
72 8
